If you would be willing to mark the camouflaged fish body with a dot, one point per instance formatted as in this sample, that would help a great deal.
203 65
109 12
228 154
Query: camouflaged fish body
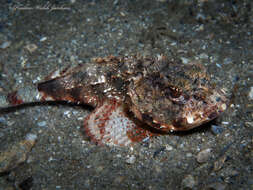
129 92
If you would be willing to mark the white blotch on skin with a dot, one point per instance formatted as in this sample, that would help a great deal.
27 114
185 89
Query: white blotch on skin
101 79
55 74
190 119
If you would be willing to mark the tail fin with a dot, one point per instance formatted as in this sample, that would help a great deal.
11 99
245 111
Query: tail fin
58 89
67 89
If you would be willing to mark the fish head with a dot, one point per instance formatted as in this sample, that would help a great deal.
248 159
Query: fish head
178 98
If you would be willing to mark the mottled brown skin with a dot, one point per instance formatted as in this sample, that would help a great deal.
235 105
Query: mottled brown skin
167 95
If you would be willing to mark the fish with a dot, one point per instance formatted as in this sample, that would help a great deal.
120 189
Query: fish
134 97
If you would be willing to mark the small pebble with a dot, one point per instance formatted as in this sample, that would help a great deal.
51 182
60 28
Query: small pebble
227 60
5 45
200 28
43 39
200 16
249 123
31 47
42 123
158 169
188 182
99 169
219 163
216 129
67 113
225 122
131 159
72 58
251 93
204 155
158 151
3 120
31 137
168 147
218 65
51 159
184 60
203 56
173 44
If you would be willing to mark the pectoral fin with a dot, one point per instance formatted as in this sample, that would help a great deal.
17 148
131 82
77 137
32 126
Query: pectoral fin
109 124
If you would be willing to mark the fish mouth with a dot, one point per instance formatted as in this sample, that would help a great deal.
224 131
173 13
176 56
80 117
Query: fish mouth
195 115
193 118
196 119
188 121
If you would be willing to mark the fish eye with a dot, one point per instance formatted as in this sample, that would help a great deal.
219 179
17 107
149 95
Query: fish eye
176 95
174 92
197 97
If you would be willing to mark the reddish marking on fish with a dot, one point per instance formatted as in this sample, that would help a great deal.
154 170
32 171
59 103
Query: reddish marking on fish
14 99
